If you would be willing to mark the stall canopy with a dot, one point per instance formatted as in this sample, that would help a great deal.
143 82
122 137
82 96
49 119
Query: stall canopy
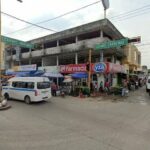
52 75
79 75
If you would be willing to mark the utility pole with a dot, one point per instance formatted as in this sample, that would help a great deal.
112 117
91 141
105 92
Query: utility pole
89 71
1 98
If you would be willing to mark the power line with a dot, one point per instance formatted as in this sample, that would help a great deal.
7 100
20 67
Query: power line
22 20
132 16
130 12
144 44
51 19
115 17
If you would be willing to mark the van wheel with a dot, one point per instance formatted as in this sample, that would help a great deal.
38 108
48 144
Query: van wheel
27 100
147 90
6 96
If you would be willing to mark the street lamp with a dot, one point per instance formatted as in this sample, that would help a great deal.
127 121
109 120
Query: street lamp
1 98
20 1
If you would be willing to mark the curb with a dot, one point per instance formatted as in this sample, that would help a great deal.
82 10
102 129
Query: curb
5 108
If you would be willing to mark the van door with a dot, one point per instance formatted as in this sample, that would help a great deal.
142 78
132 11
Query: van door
44 90
20 91
13 90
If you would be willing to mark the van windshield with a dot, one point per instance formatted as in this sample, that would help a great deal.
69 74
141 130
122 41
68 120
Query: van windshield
43 85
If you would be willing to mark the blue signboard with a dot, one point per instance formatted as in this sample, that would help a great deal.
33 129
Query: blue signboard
99 67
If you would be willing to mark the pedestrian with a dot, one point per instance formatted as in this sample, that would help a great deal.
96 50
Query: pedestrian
53 88
91 87
96 87
101 87
124 88
107 86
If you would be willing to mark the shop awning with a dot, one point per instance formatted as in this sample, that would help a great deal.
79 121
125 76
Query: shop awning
36 73
52 75
79 75
18 74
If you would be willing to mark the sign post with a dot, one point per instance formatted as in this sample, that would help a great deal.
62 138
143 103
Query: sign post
15 42
112 44
89 71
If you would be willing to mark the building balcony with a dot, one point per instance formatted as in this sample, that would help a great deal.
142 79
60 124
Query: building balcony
83 46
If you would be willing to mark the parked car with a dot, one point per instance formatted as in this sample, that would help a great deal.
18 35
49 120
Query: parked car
148 84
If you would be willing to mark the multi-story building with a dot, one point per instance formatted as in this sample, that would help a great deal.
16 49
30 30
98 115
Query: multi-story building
132 61
3 57
72 47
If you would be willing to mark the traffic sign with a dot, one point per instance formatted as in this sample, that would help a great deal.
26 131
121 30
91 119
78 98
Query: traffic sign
15 42
135 39
112 44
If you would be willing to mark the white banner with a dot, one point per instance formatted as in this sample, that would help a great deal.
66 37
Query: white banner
25 68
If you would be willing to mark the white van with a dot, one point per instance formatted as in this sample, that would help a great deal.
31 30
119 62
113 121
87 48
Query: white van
148 84
28 89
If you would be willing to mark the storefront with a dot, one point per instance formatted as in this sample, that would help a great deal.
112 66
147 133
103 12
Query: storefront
100 72
118 72
53 73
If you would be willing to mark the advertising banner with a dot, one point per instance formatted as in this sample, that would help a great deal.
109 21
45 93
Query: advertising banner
116 68
53 69
100 67
73 68
32 67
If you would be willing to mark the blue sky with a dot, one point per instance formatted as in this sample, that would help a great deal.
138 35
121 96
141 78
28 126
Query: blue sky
131 25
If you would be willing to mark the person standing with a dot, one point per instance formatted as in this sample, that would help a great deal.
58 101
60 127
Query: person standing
107 86
54 88
124 88
96 87
101 87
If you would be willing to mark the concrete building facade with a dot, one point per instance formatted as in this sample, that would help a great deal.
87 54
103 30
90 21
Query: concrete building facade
132 61
71 46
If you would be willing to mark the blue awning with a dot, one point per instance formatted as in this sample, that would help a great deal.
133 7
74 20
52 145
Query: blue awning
37 73
79 75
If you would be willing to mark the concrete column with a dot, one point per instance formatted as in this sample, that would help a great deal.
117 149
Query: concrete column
76 39
101 34
113 59
101 56
57 60
30 62
57 42
76 58
11 64
42 62
57 63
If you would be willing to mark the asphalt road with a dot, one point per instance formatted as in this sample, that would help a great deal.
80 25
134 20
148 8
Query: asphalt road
78 124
